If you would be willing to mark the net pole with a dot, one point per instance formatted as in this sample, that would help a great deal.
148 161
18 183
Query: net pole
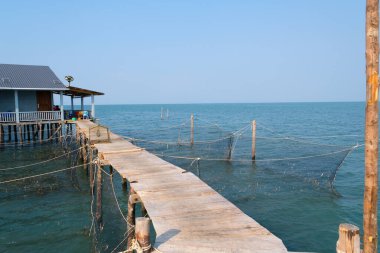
254 140
192 129
371 128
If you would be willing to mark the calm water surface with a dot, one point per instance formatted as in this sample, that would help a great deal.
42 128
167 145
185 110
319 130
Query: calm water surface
57 215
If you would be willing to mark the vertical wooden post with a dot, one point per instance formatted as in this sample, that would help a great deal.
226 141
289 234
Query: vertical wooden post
15 133
349 239
253 139
9 133
192 129
20 132
131 217
1 134
371 128
28 130
40 128
142 233
124 184
99 195
91 170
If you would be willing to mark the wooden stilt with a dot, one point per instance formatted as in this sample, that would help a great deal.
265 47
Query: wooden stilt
91 171
40 134
15 133
144 213
254 140
9 133
99 196
142 233
21 135
131 217
28 130
1 134
349 239
124 184
370 238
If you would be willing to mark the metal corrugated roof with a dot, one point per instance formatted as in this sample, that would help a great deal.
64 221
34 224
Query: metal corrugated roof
24 77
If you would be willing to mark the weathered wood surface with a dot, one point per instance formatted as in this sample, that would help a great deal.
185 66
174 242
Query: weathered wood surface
187 214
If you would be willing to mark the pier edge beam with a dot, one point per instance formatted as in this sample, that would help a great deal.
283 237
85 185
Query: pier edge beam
349 239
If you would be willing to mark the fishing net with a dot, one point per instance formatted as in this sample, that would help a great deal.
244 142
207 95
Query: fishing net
292 161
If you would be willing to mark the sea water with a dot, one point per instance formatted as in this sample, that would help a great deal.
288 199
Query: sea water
58 216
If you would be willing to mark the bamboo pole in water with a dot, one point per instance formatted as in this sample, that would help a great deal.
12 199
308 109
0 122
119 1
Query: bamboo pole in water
254 140
371 128
192 129
131 217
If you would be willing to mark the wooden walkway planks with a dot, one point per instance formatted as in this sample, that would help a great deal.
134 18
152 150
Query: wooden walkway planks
187 214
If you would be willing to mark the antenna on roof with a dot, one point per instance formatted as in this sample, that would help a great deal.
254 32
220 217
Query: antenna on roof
69 79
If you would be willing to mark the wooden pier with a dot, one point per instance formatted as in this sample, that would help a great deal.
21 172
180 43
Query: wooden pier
187 214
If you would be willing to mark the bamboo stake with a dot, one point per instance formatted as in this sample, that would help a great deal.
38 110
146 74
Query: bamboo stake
371 128
192 129
254 140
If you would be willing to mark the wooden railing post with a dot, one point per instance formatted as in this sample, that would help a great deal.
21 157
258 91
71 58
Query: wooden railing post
349 239
142 233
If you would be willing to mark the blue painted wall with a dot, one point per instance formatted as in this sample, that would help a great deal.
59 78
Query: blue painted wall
27 101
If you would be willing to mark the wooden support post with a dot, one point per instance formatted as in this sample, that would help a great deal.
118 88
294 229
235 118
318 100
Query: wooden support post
131 217
20 132
1 134
99 196
91 171
40 129
144 212
15 133
124 184
349 239
370 237
28 130
192 129
254 140
9 133
142 233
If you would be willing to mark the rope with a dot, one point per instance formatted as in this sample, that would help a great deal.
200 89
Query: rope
42 162
43 174
261 160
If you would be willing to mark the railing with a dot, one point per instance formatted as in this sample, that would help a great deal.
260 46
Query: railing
10 117
7 117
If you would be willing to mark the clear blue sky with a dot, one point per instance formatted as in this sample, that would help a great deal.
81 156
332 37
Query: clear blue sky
194 51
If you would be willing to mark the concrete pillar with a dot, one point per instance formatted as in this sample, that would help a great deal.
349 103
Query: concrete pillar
81 104
61 105
92 106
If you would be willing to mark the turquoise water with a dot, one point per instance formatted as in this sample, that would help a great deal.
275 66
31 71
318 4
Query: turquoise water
304 216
